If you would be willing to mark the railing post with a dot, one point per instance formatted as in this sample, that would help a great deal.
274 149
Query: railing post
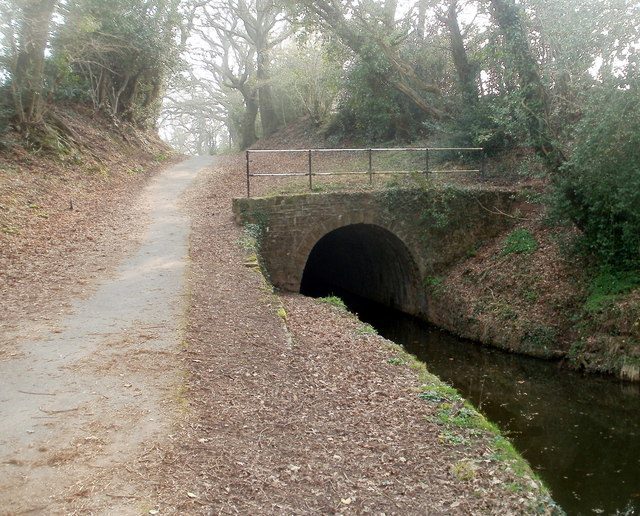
248 177
310 172
370 167
426 161
483 164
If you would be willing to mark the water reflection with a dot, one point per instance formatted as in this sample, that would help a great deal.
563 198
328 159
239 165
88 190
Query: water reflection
581 434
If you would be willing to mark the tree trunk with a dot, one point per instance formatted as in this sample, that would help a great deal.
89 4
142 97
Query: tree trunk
152 104
268 116
126 109
199 144
507 16
248 126
390 8
28 75
466 76
422 18
233 131
102 91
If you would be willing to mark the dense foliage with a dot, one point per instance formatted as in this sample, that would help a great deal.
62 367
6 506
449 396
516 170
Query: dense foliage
599 186
117 54
558 79
120 52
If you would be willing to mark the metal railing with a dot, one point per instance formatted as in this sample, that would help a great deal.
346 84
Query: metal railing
312 157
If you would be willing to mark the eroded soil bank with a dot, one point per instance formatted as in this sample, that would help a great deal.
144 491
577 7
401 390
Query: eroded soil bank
529 292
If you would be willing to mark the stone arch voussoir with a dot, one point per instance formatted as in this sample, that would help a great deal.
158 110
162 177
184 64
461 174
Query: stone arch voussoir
319 231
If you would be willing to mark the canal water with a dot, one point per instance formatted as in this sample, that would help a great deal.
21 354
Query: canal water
581 434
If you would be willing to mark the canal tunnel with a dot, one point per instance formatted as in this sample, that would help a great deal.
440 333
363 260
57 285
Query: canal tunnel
367 261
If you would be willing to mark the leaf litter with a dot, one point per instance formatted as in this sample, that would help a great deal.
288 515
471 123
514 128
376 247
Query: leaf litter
303 415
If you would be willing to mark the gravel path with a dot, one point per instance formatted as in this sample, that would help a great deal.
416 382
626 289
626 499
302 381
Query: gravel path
96 388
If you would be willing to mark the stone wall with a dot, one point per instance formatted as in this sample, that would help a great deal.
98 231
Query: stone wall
434 227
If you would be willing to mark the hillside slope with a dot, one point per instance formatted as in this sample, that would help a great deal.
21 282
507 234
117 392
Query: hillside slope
527 291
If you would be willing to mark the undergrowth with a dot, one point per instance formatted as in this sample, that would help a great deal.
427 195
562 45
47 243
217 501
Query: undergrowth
333 301
607 286
519 241
366 329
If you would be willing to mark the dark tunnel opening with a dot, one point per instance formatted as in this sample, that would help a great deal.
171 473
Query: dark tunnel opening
365 261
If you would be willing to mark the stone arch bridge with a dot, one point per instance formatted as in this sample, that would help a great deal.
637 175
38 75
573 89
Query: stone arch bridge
381 245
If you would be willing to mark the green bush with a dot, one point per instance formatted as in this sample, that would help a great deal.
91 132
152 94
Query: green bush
519 241
369 111
599 187
496 124
608 285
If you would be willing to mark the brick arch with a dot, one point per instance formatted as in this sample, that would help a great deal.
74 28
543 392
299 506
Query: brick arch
294 224
313 235
398 274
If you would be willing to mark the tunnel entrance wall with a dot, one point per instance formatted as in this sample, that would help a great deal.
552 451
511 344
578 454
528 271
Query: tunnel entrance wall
365 260
437 227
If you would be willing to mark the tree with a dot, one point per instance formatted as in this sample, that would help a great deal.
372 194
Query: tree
599 188
258 24
229 59
191 122
467 80
33 19
421 18
124 49
194 114
306 80
580 45
367 34
507 16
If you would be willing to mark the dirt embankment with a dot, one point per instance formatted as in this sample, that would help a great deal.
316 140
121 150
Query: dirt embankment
527 292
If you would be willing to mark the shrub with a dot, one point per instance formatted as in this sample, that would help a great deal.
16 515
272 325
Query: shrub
608 285
599 187
519 241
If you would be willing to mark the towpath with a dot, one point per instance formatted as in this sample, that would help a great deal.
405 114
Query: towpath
82 395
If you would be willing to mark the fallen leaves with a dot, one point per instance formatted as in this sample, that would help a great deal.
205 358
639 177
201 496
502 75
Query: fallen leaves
290 429
48 250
